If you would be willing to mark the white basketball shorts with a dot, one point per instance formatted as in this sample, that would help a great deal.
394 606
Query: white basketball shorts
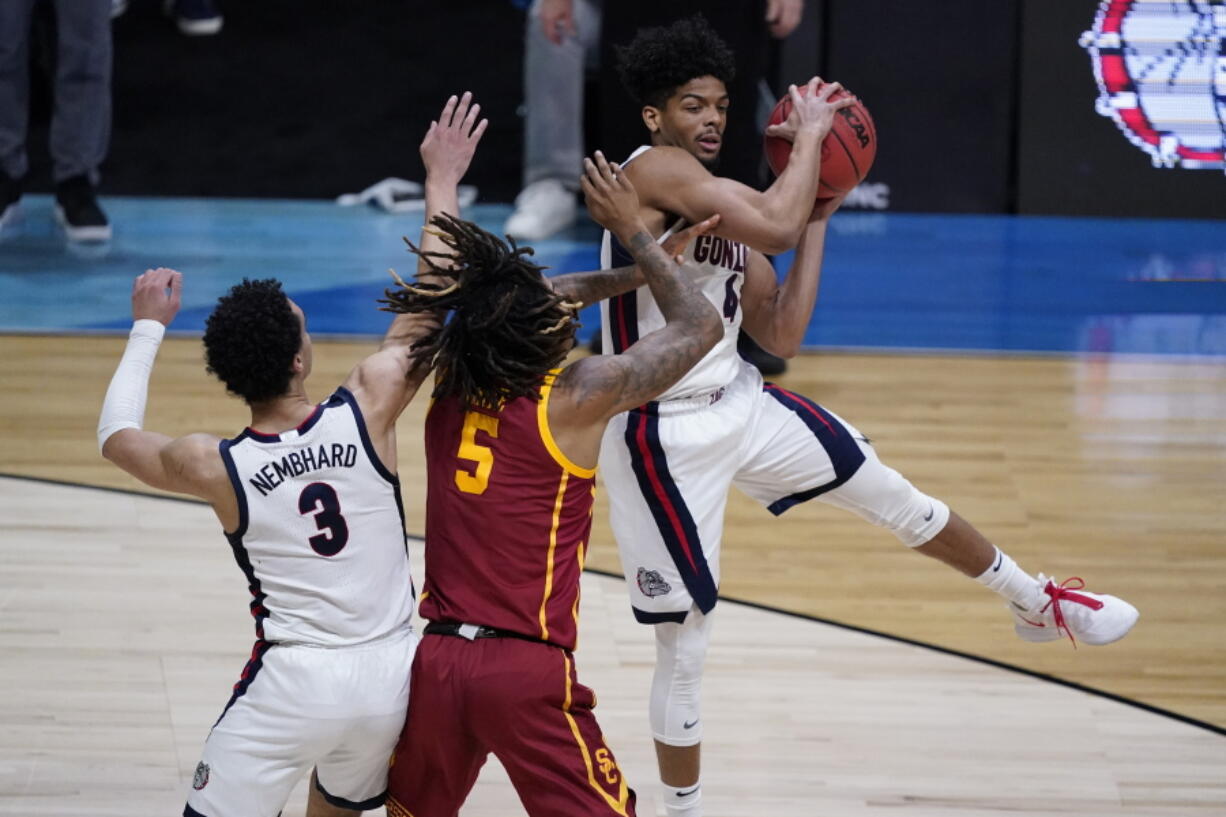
339 710
668 466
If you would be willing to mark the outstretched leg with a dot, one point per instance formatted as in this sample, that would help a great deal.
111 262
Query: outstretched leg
1042 610
830 460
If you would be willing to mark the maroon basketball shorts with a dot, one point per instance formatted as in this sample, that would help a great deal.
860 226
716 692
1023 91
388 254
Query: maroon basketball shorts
521 701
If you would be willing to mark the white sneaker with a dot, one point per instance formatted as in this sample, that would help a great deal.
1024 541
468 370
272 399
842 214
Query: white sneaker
541 209
1068 610
195 18
10 215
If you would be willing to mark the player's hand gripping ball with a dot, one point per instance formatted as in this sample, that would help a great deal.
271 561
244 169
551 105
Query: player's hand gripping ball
847 151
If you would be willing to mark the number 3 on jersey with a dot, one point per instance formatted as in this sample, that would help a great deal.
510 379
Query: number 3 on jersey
475 481
319 499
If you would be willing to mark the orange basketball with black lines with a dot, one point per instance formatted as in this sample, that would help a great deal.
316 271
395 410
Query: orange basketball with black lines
847 152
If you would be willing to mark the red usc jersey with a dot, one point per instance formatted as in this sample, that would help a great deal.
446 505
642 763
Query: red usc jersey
508 518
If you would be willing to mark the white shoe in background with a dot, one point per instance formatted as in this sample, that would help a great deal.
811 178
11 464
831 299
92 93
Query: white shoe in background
541 209
402 196
195 18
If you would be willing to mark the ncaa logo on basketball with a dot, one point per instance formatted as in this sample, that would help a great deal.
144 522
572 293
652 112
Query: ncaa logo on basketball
652 584
201 778
857 126
1161 73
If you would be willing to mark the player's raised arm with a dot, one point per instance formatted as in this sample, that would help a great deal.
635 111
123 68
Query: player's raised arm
777 315
385 382
189 465
599 387
446 151
674 181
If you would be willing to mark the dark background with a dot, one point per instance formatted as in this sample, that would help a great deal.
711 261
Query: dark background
980 107
304 98
950 80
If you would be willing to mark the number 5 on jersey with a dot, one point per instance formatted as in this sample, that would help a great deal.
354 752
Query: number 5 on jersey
476 480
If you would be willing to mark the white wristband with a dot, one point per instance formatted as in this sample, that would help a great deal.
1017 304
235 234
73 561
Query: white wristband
124 406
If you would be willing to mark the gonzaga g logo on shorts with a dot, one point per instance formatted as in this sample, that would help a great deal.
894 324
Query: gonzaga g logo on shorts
1161 72
652 584
201 778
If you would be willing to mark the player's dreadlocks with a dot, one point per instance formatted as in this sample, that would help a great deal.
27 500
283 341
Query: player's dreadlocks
660 60
503 326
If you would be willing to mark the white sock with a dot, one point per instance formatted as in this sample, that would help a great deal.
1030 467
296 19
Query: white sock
685 801
1011 582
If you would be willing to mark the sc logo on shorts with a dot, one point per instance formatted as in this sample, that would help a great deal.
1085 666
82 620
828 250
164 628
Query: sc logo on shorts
607 766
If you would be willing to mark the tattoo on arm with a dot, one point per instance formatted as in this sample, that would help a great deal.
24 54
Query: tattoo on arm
645 379
595 286
677 296
660 359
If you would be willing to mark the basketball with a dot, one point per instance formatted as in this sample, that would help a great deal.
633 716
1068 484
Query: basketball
847 151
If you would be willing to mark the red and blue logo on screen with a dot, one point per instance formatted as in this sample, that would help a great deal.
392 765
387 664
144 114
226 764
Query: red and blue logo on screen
1161 72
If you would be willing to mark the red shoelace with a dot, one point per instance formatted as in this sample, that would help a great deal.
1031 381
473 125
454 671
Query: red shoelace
1065 591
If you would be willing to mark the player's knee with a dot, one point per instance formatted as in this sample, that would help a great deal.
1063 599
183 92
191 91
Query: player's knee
920 519
884 497
676 687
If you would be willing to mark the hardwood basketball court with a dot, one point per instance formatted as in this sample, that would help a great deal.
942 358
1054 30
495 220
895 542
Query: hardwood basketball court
1079 420
126 619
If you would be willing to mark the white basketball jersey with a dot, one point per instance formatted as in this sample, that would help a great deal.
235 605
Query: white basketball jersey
717 266
321 530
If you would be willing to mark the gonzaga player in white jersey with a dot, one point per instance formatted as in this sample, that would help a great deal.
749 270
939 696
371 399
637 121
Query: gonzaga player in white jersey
668 465
320 532
309 500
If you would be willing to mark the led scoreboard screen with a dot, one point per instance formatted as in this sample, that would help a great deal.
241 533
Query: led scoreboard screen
1123 108
1161 73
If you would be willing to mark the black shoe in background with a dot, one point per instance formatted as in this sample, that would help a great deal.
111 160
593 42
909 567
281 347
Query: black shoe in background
768 364
10 199
77 210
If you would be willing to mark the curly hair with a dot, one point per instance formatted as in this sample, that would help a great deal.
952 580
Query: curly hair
250 340
660 60
503 326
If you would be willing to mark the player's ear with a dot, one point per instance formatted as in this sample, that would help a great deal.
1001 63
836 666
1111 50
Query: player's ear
651 118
